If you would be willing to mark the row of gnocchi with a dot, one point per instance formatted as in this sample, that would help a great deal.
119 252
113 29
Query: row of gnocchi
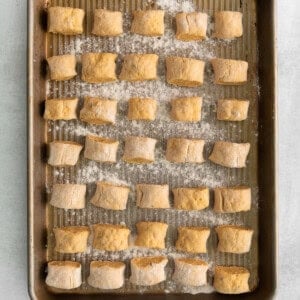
180 71
191 239
115 197
101 111
189 26
141 150
147 271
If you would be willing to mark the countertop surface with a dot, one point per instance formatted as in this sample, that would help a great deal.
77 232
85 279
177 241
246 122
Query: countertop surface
13 155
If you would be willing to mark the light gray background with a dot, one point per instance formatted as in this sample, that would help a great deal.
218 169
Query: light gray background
13 51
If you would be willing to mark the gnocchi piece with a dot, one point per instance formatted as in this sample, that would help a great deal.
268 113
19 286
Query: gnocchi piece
228 24
231 155
99 67
149 270
110 196
234 239
231 280
63 153
62 67
151 234
142 109
187 109
192 239
61 109
191 26
139 149
183 71
191 198
110 237
65 20
190 272
232 200
64 274
232 110
71 239
107 23
139 67
101 149
180 150
152 195
68 196
229 71
148 22
98 111
107 275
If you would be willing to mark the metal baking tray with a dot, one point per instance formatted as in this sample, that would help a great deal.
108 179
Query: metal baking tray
258 46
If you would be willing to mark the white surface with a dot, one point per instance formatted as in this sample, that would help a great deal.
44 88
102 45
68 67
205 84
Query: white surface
13 248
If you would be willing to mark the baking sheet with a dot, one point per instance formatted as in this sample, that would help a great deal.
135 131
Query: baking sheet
209 129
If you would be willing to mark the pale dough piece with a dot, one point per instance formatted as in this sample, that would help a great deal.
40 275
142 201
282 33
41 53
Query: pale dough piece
62 67
231 280
110 196
61 109
148 22
234 239
187 109
151 234
139 149
180 150
99 67
190 272
107 275
191 198
232 200
63 153
110 237
231 155
228 24
142 109
183 71
65 20
98 111
192 239
191 26
229 71
148 271
152 195
139 67
68 196
107 23
71 239
64 274
101 149
232 110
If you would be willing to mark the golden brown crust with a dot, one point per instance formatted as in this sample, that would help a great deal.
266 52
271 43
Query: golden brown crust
183 71
107 23
110 237
107 263
192 239
191 198
61 109
65 20
144 262
142 109
151 234
99 67
139 67
232 109
148 22
231 280
191 26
